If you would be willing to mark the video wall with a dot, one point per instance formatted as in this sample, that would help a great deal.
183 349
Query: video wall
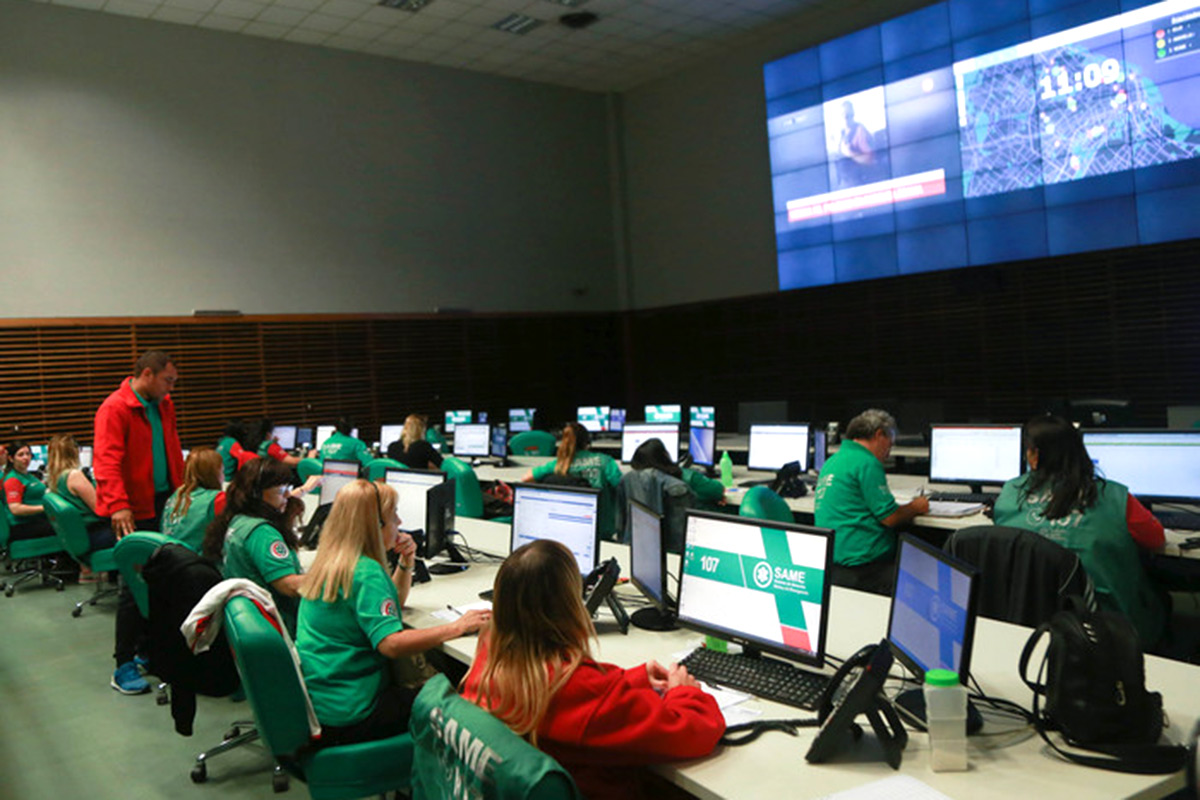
980 131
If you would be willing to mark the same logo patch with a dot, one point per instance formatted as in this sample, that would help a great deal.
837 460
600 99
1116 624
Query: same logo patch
279 549
388 608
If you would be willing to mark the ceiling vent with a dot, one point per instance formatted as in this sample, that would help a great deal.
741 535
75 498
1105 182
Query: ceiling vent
578 20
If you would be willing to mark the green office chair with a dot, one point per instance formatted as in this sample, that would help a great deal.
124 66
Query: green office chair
309 467
36 551
72 533
761 503
444 770
278 697
532 443
468 496
130 554
435 438
377 469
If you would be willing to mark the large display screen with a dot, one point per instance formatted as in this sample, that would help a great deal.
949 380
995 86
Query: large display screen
973 133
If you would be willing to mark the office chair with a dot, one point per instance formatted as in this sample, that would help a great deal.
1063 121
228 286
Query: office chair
376 469
760 502
468 496
309 467
1023 576
532 443
278 697
72 533
518 772
35 551
665 495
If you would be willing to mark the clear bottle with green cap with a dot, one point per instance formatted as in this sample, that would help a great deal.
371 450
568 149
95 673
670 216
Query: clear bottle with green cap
946 719
726 470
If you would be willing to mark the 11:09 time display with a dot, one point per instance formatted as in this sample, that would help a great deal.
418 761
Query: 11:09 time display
1059 82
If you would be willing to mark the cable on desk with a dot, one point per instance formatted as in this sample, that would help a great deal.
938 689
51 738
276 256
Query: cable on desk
470 552
747 732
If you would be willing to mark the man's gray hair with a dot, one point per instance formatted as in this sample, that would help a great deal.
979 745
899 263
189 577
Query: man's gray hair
865 424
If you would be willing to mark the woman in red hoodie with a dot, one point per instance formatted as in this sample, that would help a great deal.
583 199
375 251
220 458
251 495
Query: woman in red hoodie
534 670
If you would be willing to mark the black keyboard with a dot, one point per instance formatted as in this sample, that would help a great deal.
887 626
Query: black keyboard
767 678
1179 520
964 497
756 482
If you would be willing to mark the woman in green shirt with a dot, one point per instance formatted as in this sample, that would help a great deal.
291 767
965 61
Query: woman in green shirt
23 493
65 478
350 619
652 454
197 501
574 458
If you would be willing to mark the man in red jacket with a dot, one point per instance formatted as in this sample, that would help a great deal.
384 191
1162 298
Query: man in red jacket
137 462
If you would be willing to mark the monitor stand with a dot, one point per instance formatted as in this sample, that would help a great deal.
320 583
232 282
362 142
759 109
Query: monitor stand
456 564
653 619
912 705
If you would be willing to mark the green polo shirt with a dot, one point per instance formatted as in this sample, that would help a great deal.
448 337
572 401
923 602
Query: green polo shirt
227 457
254 550
189 528
338 641
64 491
709 492
340 447
35 490
598 469
852 497
158 446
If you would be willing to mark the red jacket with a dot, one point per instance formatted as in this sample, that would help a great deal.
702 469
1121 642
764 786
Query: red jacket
122 462
606 717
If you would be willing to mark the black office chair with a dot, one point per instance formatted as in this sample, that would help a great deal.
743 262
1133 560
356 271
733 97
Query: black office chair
1023 575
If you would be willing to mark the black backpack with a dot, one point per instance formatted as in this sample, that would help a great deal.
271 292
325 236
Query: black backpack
1095 692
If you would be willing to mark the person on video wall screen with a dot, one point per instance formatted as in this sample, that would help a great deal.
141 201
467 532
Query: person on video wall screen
857 155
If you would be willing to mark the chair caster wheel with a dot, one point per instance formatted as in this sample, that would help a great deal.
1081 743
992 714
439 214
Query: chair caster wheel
10 591
199 773
162 698
60 586
75 612
232 733
279 782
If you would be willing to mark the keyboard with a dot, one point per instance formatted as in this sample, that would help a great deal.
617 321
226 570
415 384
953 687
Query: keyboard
1179 520
767 678
964 497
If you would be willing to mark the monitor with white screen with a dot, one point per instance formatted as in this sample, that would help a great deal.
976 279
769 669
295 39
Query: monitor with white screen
702 417
389 434
668 413
286 436
499 446
648 568
521 419
702 446
1154 465
325 431
566 514
454 418
411 486
85 456
762 585
975 454
472 439
594 418
637 432
335 475
772 446
616 420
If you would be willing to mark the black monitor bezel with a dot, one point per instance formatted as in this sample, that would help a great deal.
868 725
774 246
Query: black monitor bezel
662 603
439 497
555 487
817 659
977 481
1149 498
972 572
629 425
750 438
713 455
457 454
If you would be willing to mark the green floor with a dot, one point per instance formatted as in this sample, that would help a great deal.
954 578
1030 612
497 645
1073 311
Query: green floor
68 734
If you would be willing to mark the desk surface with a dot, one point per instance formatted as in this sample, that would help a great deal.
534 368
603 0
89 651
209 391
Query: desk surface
1002 765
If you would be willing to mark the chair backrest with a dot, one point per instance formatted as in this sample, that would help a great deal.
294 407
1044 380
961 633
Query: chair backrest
463 751
377 468
4 527
309 467
760 502
264 662
131 554
1023 575
468 496
68 524
664 494
532 443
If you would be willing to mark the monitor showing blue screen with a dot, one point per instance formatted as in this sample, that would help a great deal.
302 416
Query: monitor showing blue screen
973 133
702 446
521 419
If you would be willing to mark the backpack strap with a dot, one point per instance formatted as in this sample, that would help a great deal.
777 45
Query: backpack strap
1023 663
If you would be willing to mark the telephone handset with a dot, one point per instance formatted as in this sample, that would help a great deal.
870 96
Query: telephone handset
598 588
864 697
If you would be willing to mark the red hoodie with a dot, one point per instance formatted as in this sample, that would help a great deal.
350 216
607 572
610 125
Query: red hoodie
123 462
606 718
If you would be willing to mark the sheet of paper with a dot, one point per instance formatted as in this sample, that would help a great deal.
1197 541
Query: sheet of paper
450 614
897 787
724 697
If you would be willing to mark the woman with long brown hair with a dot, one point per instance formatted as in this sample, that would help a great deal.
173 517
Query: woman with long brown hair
198 500
576 459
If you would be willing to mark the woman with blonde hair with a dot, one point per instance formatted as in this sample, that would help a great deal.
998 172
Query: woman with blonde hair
534 670
349 624
198 500
66 479
575 459
412 449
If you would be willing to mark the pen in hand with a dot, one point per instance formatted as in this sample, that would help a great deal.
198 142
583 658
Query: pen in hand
457 613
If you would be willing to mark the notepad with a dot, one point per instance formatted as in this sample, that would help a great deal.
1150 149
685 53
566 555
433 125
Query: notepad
949 508
897 787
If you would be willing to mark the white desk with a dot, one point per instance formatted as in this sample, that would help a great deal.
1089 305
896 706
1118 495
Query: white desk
1002 766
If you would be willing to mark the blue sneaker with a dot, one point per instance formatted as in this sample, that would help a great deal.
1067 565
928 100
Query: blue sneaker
127 680
140 663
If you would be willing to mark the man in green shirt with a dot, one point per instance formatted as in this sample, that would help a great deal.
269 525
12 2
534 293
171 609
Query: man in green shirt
853 499
341 446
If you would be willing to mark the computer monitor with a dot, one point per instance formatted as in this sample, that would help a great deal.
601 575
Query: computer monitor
472 439
499 446
389 434
305 436
975 454
702 445
566 514
702 417
325 431
1162 466
336 474
481 416
521 419
40 453
286 436
820 449
85 456
594 418
762 585
648 568
772 446
637 432
455 418
424 502
667 413
616 420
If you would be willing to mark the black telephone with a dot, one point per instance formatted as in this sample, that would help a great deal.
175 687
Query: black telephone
787 481
598 588
864 697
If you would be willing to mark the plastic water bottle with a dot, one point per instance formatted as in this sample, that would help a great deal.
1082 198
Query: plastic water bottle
726 470
946 718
